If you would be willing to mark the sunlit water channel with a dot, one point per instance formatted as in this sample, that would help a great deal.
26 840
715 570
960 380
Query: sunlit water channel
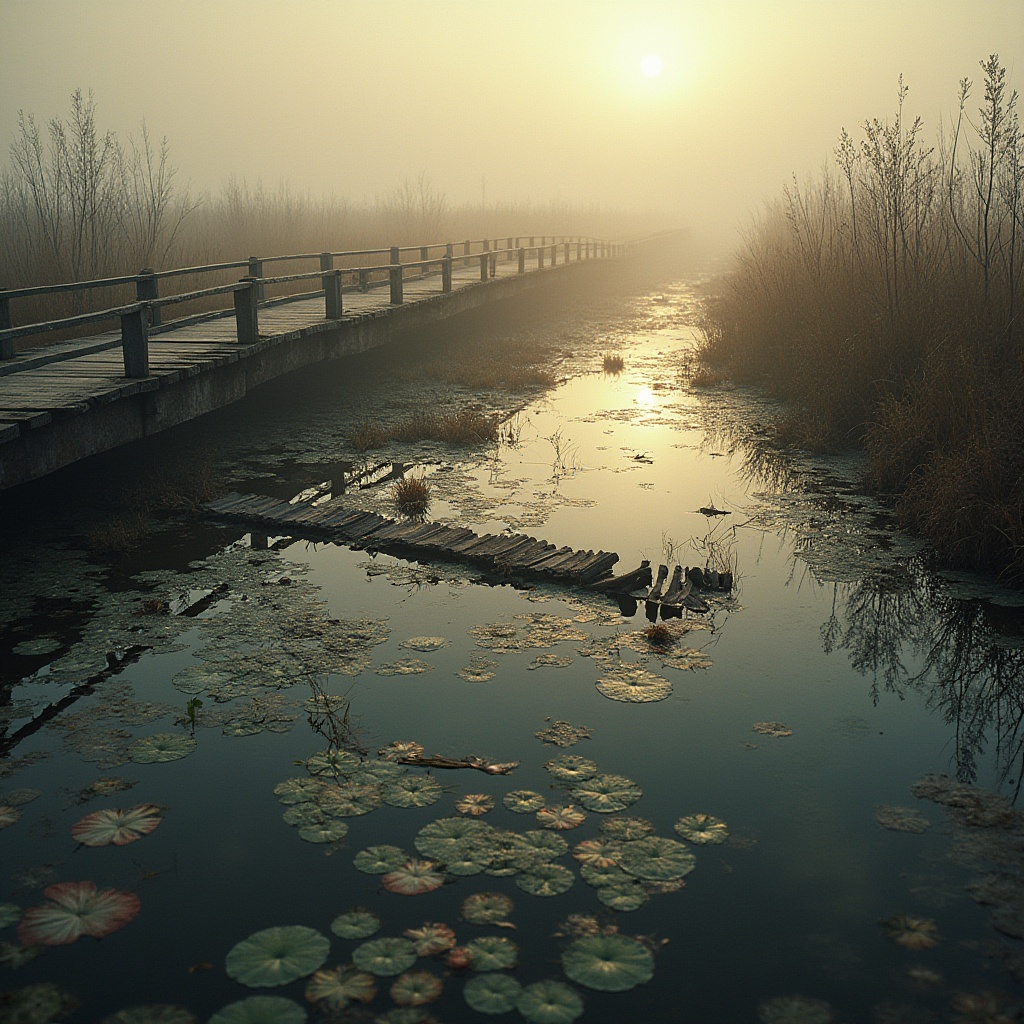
874 669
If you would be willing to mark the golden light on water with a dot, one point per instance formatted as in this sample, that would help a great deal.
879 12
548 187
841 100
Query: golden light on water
651 66
645 398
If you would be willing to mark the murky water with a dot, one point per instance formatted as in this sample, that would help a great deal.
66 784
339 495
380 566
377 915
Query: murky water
798 711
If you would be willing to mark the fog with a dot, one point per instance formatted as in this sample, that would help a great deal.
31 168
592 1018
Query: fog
513 101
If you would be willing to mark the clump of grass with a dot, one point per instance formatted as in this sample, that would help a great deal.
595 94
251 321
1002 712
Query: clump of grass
411 495
659 635
613 363
465 427
120 534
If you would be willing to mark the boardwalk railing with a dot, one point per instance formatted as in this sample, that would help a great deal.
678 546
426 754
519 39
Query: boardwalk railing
249 294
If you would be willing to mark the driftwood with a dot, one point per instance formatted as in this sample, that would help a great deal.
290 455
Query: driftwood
710 510
627 582
436 761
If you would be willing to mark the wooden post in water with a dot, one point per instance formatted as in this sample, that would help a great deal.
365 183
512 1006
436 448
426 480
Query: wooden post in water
6 344
135 341
483 266
256 270
466 247
395 272
522 259
332 294
446 271
247 328
364 281
147 287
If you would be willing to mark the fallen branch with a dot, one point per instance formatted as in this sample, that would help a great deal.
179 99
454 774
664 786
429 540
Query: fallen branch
436 761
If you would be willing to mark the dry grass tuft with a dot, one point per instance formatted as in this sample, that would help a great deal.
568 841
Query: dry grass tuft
613 363
659 635
466 427
411 495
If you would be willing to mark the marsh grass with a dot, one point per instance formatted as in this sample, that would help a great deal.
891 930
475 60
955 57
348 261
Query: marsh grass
465 427
612 362
881 301
411 495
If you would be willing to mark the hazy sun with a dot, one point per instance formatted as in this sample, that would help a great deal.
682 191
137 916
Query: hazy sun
651 66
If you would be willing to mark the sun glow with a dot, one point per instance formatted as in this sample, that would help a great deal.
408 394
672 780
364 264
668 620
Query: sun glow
651 66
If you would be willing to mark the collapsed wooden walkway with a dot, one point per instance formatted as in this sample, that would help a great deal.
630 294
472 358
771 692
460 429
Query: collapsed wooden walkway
334 520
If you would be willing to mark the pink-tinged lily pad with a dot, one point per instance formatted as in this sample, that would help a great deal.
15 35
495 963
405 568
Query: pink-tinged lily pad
911 932
474 804
76 909
416 988
413 878
335 987
116 827
8 815
486 908
433 938
561 817
37 1004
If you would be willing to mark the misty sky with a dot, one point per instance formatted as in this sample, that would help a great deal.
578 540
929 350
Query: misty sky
503 99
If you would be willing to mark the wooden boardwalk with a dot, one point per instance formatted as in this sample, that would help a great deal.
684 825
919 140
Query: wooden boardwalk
335 520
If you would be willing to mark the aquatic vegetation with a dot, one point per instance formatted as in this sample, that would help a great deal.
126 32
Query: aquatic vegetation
561 816
546 845
776 729
445 836
404 667
355 924
323 831
431 938
276 956
151 1013
459 958
479 670
492 953
523 801
623 895
571 768
332 762
425 643
413 878
562 734
385 957
8 815
399 749
612 362
336 987
608 963
702 829
161 746
116 827
492 993
656 858
795 1010
901 819
549 1002
411 495
260 1010
911 932
76 909
600 853
983 1008
9 913
633 684
412 791
606 794
486 908
37 1004
657 634
348 800
546 880
607 874
102 787
474 804
625 829
416 988
378 860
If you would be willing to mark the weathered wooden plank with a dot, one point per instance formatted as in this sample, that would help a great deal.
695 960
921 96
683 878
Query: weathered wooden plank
553 559
599 566
529 559
659 583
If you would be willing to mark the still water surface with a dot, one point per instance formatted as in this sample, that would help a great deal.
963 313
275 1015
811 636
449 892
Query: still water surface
836 630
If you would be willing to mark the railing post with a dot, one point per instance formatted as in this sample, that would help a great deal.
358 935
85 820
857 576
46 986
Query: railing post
466 247
446 271
508 245
247 327
332 294
484 259
364 281
395 272
531 241
256 270
147 287
135 341
6 344
522 259
554 255
567 244
540 257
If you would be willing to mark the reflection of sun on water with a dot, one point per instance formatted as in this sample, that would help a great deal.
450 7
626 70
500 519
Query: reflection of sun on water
645 398
651 66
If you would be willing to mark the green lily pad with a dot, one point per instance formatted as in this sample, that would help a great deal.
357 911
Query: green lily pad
702 829
425 644
38 1004
601 853
15 955
432 938
297 791
413 878
355 924
332 762
349 799
523 801
260 1010
76 909
492 993
547 845
623 895
608 963
416 988
486 907
161 746
304 814
404 667
445 836
609 875
571 768
546 880
625 830
335 987
412 791
633 684
561 816
493 953
328 831
606 794
385 957
657 858
276 956
378 860
9 913
550 1002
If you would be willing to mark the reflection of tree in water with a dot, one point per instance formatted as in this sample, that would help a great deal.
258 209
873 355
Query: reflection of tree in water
968 670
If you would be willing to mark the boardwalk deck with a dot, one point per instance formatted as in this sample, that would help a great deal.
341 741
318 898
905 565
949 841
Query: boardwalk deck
511 554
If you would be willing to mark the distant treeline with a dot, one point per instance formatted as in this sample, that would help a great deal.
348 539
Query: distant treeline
882 300
81 203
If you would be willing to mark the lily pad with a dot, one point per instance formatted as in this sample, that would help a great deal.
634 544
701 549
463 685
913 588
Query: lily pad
76 909
492 993
336 987
546 880
523 801
355 924
260 1010
349 799
623 895
445 836
425 643
562 734
702 829
276 956
901 819
608 963
430 939
404 667
493 953
601 853
297 791
656 858
911 932
304 814
399 749
416 988
606 793
412 791
479 669
9 913
634 684
161 746
385 957
571 768
378 860
550 1002
474 804
37 1004
625 829
332 762
597 876
413 878
486 907
8 815
102 828
561 816
776 729
546 845
327 831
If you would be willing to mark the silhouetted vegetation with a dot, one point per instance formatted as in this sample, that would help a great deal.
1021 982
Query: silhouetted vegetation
464 427
881 301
